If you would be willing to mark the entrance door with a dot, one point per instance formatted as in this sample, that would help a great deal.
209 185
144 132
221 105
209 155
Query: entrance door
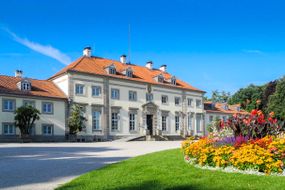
149 123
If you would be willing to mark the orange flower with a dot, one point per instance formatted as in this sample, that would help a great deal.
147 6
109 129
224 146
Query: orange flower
259 112
258 101
271 114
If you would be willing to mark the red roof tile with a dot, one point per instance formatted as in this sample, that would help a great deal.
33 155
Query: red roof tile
219 108
40 88
97 65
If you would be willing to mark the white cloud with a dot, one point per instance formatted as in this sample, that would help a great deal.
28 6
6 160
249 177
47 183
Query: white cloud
47 50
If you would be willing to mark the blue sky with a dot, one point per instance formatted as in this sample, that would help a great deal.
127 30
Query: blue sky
222 45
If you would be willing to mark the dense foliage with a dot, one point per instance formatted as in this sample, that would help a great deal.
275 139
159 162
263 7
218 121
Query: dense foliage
248 97
268 97
25 118
76 121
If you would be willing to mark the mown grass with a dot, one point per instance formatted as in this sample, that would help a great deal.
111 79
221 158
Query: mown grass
167 170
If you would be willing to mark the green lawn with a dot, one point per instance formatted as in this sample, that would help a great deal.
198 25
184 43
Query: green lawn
167 170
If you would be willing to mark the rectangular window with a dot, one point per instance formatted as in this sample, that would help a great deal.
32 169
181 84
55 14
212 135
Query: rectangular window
79 89
149 97
164 99
163 123
190 102
190 120
96 91
8 105
29 103
177 101
115 94
96 120
177 122
198 123
198 103
9 129
115 120
132 95
47 129
132 120
47 108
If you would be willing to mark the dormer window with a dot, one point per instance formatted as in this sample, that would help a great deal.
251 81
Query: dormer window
112 70
25 85
226 107
129 73
160 78
173 80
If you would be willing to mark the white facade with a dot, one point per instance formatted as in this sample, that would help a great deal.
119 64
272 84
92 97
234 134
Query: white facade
121 116
51 126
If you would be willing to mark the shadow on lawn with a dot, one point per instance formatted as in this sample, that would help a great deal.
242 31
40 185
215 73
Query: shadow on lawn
150 185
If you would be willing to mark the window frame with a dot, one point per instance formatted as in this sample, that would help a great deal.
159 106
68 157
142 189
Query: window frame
114 120
149 97
132 121
177 122
29 103
190 102
179 101
96 121
47 125
164 123
133 96
52 108
83 89
199 106
117 90
13 105
99 88
9 125
166 98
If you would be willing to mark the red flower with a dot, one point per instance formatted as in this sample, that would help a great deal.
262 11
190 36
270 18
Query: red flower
253 112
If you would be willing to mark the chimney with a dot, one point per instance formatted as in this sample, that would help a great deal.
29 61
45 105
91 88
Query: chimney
18 73
87 51
123 59
163 68
149 64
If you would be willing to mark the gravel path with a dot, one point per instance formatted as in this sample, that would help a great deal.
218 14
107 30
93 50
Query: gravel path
47 165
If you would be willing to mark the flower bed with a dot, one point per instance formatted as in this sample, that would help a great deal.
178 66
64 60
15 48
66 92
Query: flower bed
255 144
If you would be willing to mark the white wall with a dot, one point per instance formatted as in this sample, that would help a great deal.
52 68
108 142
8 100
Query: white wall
57 118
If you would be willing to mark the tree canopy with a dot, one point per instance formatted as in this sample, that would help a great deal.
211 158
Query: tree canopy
25 118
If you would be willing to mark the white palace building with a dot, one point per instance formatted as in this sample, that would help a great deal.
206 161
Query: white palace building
118 99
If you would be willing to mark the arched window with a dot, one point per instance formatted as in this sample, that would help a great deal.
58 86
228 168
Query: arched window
26 86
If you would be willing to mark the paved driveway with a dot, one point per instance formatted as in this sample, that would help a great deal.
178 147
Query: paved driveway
47 165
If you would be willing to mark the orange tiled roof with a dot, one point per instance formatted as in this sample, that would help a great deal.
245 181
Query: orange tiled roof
40 88
97 65
219 108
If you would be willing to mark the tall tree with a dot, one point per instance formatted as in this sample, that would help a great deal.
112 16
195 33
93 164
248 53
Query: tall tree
277 100
248 97
25 118
268 91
